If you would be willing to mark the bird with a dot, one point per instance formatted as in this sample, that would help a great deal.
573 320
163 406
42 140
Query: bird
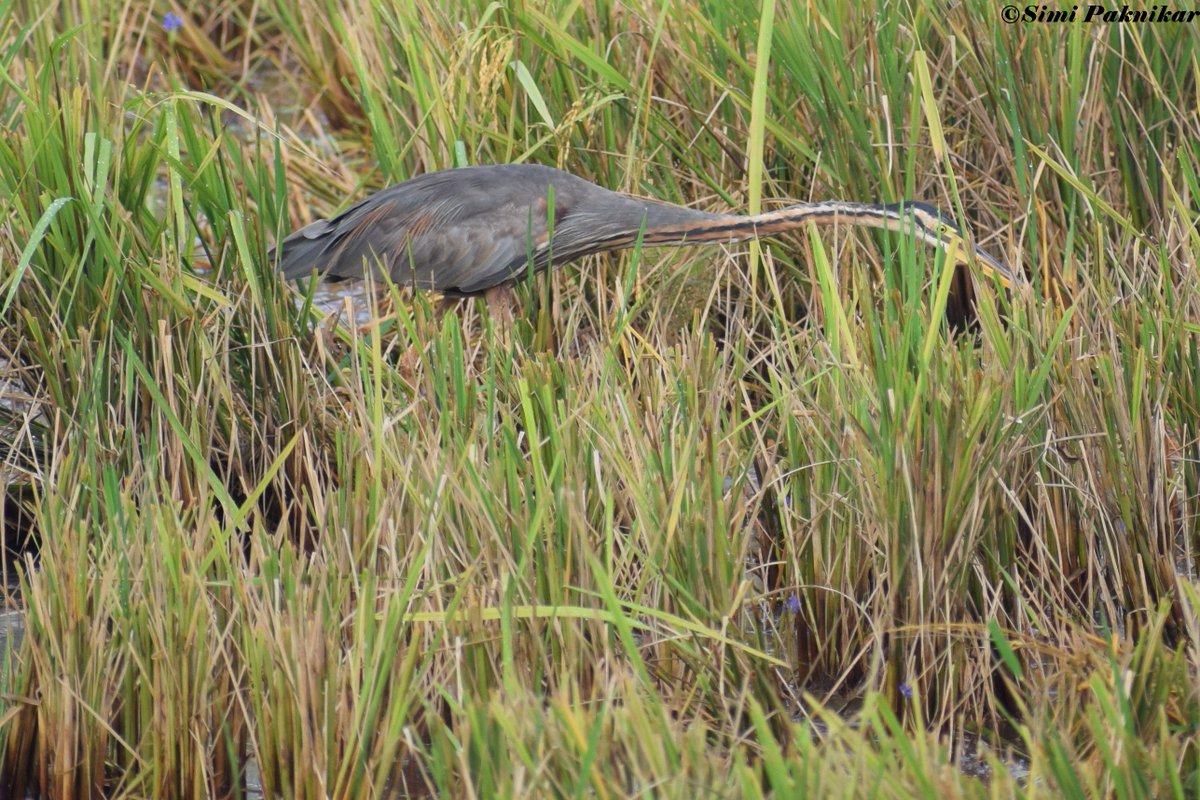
472 230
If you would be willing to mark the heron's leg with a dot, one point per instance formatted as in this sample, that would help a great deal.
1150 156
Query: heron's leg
501 303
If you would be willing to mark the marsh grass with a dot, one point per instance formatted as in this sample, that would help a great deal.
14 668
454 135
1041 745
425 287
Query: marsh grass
699 523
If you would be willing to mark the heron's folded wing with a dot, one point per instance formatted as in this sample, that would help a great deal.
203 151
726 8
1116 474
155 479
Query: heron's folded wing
428 233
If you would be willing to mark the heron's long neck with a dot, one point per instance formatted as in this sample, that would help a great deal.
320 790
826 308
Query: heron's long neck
667 224
733 228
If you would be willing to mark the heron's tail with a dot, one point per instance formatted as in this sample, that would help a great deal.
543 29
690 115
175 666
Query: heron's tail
301 253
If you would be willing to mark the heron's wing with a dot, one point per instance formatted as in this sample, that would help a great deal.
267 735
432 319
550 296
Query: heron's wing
450 231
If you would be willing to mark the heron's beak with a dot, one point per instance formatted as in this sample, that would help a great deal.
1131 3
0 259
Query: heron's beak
963 254
994 266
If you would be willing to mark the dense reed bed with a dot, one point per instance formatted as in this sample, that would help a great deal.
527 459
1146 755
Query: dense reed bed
812 517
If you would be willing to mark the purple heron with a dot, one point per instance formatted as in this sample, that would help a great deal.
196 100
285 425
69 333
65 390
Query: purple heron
465 231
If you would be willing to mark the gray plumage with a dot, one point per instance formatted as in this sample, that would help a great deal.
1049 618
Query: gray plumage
464 231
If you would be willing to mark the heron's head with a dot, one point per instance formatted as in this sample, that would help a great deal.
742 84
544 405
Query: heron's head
939 230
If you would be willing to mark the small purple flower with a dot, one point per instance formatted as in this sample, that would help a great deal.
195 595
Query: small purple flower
906 691
172 22
793 604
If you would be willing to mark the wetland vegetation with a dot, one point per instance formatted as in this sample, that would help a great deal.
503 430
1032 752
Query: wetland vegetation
813 516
